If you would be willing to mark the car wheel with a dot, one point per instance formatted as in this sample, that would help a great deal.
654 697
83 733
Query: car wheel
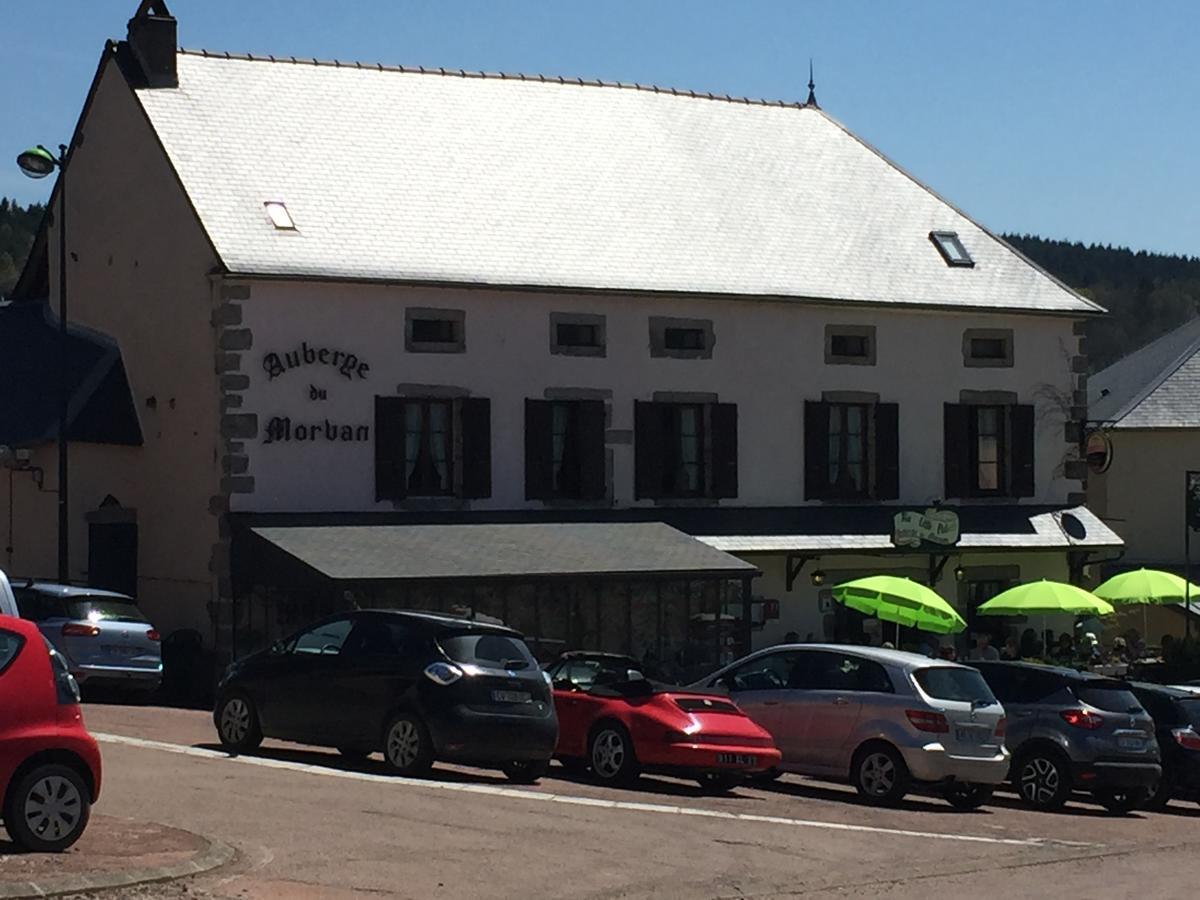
1121 800
237 724
1161 795
719 782
526 771
407 746
48 809
356 754
1043 780
880 775
966 796
611 754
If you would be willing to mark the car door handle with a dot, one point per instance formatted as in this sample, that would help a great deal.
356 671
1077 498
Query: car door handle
770 703
840 701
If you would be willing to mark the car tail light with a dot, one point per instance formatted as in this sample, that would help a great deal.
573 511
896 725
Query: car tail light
443 673
924 720
1081 718
153 635
1000 727
1186 738
74 629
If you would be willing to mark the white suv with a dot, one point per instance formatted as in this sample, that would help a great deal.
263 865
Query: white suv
882 719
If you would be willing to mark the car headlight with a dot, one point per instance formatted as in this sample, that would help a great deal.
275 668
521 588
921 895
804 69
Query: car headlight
443 673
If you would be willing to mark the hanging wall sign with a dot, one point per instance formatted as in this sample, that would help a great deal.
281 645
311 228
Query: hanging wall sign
1099 451
934 526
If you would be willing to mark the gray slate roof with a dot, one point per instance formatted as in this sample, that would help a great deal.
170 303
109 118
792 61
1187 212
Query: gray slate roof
369 552
1157 386
398 175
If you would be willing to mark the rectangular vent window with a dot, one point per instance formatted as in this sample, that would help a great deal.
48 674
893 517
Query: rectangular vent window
433 331
951 248
278 213
852 345
575 334
989 348
683 338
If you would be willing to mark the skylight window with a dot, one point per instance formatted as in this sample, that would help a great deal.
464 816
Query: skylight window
278 213
951 248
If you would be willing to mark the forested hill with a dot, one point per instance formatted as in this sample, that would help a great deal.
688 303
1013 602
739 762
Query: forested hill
1146 294
17 227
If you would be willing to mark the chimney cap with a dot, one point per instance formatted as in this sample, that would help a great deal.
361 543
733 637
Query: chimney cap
152 8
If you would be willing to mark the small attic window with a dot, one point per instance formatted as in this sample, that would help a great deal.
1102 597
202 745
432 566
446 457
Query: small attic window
951 248
278 213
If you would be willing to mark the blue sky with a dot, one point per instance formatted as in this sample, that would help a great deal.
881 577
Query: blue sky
1066 119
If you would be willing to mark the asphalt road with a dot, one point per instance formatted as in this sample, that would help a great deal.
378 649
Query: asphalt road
307 824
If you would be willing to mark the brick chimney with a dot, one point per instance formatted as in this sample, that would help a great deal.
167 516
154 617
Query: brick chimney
151 38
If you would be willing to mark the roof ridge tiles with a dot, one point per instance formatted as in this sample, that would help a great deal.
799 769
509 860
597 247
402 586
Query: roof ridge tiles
576 81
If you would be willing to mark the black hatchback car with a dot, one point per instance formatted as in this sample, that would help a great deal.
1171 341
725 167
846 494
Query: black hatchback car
418 687
1176 715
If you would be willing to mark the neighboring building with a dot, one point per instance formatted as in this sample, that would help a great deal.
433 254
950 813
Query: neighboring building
388 331
1145 412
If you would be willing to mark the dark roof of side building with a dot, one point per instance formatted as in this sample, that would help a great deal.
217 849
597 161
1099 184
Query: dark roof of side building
1156 386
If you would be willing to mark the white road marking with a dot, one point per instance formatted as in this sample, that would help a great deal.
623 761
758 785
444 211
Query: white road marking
546 797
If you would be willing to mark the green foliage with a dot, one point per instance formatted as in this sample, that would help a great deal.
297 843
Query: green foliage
1146 294
18 225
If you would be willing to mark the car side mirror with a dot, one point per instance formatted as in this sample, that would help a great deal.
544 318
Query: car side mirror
277 648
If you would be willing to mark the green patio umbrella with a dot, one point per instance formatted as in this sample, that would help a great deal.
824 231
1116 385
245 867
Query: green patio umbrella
1045 598
1146 587
902 601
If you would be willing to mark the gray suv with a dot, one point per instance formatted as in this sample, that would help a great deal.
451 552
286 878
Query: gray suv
1069 731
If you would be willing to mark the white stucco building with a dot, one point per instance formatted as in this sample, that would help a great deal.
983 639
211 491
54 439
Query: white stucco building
357 304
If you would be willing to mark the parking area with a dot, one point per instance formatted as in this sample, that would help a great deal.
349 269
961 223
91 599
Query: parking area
306 822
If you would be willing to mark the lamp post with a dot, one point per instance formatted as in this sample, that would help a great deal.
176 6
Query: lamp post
38 162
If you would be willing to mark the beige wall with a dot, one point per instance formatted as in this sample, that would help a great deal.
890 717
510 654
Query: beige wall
141 276
1141 496
768 358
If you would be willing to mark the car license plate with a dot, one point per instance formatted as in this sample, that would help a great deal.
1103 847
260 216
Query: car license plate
511 696
118 650
970 735
737 759
1131 743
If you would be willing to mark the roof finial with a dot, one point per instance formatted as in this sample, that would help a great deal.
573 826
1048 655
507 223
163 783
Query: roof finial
812 96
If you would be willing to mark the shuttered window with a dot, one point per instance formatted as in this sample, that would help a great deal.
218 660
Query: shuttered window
564 450
851 451
685 450
989 450
432 447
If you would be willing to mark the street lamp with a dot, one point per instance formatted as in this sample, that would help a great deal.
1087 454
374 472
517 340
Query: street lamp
38 162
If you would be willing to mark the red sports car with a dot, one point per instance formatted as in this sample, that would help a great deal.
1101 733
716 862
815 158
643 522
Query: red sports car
49 764
614 721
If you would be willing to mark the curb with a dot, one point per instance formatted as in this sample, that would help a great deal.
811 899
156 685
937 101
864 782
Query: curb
212 857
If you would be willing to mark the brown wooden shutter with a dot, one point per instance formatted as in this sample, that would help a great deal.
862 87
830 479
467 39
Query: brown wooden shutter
389 449
476 447
887 451
816 450
957 449
593 475
539 449
1021 437
723 435
648 450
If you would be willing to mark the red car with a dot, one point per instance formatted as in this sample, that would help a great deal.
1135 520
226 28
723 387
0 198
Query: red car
615 722
49 764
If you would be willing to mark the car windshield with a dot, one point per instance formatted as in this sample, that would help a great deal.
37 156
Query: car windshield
952 683
500 651
1108 697
103 609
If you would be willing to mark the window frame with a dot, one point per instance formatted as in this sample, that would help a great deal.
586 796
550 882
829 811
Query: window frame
673 462
457 317
970 360
841 410
425 404
1003 461
598 322
659 325
948 241
836 332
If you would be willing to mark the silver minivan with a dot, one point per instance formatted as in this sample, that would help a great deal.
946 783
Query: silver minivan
882 719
